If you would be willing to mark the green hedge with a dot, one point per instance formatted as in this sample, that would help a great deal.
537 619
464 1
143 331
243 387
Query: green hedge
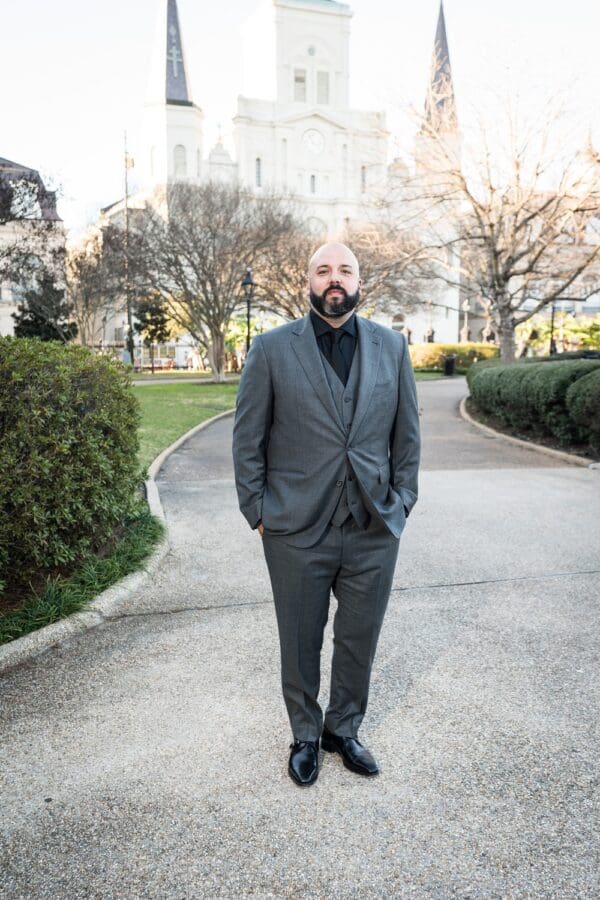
583 404
432 356
68 458
540 398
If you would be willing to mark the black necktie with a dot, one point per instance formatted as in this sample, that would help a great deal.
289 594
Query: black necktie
337 359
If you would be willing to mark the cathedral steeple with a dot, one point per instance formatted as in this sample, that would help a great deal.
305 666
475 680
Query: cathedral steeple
172 125
168 78
176 90
440 106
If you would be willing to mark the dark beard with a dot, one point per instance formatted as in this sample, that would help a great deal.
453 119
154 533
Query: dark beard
337 308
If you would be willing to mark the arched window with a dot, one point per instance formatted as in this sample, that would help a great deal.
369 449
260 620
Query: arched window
363 178
258 172
313 184
180 161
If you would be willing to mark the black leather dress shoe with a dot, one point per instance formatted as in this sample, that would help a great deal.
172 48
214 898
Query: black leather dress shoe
304 762
354 756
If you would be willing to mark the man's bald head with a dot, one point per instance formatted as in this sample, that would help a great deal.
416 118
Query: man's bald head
333 282
333 253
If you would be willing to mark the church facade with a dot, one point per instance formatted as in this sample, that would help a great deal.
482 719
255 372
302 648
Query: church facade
307 142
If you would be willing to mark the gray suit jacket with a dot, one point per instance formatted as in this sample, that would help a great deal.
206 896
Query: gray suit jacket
290 448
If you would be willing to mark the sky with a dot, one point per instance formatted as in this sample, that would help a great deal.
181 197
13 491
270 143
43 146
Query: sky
73 75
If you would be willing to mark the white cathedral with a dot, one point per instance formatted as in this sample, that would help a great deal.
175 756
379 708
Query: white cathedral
309 142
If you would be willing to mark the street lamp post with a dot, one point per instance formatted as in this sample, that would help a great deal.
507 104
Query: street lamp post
552 341
248 286
128 161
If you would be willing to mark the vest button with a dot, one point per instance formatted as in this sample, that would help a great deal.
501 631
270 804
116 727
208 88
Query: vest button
347 399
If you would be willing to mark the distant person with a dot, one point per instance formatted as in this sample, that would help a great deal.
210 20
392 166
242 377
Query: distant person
326 449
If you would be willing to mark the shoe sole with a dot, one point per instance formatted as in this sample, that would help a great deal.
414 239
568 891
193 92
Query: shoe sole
331 748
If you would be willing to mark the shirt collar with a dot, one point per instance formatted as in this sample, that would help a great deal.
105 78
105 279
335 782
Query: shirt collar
322 327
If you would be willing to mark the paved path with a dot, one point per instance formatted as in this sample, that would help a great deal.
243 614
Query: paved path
147 758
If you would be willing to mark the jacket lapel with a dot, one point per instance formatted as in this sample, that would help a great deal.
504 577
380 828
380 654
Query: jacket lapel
369 345
305 347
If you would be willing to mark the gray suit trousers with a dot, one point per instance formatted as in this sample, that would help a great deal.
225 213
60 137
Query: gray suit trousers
358 566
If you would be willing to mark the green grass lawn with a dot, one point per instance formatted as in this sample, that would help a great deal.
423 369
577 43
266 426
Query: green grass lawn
169 410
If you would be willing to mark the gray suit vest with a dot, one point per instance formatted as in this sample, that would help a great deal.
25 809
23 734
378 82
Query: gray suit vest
350 502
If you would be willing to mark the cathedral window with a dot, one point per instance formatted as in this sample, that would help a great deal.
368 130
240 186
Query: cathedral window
300 85
258 172
313 184
322 87
363 178
180 161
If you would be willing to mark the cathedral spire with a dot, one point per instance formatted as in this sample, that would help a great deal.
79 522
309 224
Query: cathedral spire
176 90
440 107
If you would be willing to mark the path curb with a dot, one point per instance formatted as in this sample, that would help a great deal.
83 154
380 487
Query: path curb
528 445
111 603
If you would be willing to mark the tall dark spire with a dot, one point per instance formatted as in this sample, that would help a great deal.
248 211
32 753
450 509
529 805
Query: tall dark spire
440 107
175 81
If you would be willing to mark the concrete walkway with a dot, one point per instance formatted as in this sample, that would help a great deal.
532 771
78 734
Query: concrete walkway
147 758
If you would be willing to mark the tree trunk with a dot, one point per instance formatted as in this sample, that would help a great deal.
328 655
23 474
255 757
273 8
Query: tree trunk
216 356
506 337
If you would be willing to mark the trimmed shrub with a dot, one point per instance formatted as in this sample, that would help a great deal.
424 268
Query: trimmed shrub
68 458
432 356
583 405
480 366
534 397
549 389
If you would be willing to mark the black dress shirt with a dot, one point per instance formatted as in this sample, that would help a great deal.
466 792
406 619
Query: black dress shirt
347 341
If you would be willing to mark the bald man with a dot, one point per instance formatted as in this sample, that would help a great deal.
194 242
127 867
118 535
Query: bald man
326 450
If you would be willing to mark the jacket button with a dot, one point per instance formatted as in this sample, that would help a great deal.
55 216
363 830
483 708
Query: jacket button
347 399
339 483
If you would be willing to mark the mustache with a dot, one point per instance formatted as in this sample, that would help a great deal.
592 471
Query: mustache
335 287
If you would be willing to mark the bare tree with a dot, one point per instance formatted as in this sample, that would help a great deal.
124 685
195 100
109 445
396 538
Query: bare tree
390 260
389 265
193 253
93 286
516 225
281 276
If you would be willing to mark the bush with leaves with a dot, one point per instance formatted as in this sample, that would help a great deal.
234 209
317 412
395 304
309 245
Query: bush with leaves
583 405
535 397
432 356
68 459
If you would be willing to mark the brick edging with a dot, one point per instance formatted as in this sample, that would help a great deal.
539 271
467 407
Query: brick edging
572 458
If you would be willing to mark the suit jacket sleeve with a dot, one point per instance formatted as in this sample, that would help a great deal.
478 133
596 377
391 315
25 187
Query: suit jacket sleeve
253 417
405 439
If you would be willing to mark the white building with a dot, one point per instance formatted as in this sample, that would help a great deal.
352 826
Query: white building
308 141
